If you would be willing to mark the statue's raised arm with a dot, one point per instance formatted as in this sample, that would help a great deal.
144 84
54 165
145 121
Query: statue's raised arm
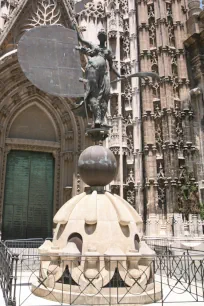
80 37
111 66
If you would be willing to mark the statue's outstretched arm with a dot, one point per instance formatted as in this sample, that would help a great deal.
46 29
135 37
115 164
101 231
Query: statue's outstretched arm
80 38
143 75
138 75
110 60
116 71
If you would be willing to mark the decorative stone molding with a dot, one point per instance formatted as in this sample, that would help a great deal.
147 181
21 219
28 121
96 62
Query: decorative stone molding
44 12
32 145
68 155
95 10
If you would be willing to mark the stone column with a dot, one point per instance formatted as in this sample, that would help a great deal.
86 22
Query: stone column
200 227
178 225
120 123
152 226
136 108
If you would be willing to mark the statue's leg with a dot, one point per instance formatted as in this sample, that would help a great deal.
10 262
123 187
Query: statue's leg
90 77
105 98
104 107
95 107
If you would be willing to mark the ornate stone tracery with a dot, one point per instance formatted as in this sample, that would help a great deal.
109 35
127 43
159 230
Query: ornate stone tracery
163 35
35 13
44 12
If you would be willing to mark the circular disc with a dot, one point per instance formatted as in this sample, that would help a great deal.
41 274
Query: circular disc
48 58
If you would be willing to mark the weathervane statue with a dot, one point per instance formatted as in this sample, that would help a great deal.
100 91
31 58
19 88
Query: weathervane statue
97 80
48 57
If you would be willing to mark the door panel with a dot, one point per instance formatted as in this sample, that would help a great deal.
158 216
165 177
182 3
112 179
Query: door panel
28 199
16 195
40 192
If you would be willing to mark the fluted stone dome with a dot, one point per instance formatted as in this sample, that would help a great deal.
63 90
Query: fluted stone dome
98 237
102 220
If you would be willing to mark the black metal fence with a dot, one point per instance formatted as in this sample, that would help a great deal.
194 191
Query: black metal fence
159 242
8 274
182 272
177 273
24 246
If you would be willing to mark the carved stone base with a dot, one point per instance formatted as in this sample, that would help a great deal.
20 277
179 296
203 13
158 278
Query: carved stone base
98 134
76 296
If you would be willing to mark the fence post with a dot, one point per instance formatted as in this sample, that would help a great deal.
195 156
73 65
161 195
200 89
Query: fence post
10 281
160 267
15 267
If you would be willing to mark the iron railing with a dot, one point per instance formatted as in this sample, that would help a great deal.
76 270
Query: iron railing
158 242
8 274
24 246
179 278
177 273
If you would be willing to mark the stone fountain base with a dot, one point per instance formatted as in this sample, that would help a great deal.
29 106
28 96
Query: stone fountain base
97 255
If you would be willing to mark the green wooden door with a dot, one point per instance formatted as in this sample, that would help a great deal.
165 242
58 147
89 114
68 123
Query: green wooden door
28 197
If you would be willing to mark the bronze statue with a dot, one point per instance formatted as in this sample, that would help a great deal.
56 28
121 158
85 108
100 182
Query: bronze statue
97 80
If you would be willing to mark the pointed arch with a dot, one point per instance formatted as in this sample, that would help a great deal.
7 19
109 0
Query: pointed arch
33 122
25 102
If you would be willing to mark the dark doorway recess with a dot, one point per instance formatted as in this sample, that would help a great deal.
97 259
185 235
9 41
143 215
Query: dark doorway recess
28 196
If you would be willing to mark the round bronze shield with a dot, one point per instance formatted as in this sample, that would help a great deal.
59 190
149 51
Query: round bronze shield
48 58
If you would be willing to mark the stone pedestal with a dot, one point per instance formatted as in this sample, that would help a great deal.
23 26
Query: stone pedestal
97 240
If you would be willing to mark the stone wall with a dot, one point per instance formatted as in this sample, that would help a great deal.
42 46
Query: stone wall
175 225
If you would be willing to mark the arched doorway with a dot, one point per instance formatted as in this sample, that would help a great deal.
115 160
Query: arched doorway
36 122
29 180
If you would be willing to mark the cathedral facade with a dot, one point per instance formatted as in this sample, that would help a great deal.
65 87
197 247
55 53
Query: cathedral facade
157 125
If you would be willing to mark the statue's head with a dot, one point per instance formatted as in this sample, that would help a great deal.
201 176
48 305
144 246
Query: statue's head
102 36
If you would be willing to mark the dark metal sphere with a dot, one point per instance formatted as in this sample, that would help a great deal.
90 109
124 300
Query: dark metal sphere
97 166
